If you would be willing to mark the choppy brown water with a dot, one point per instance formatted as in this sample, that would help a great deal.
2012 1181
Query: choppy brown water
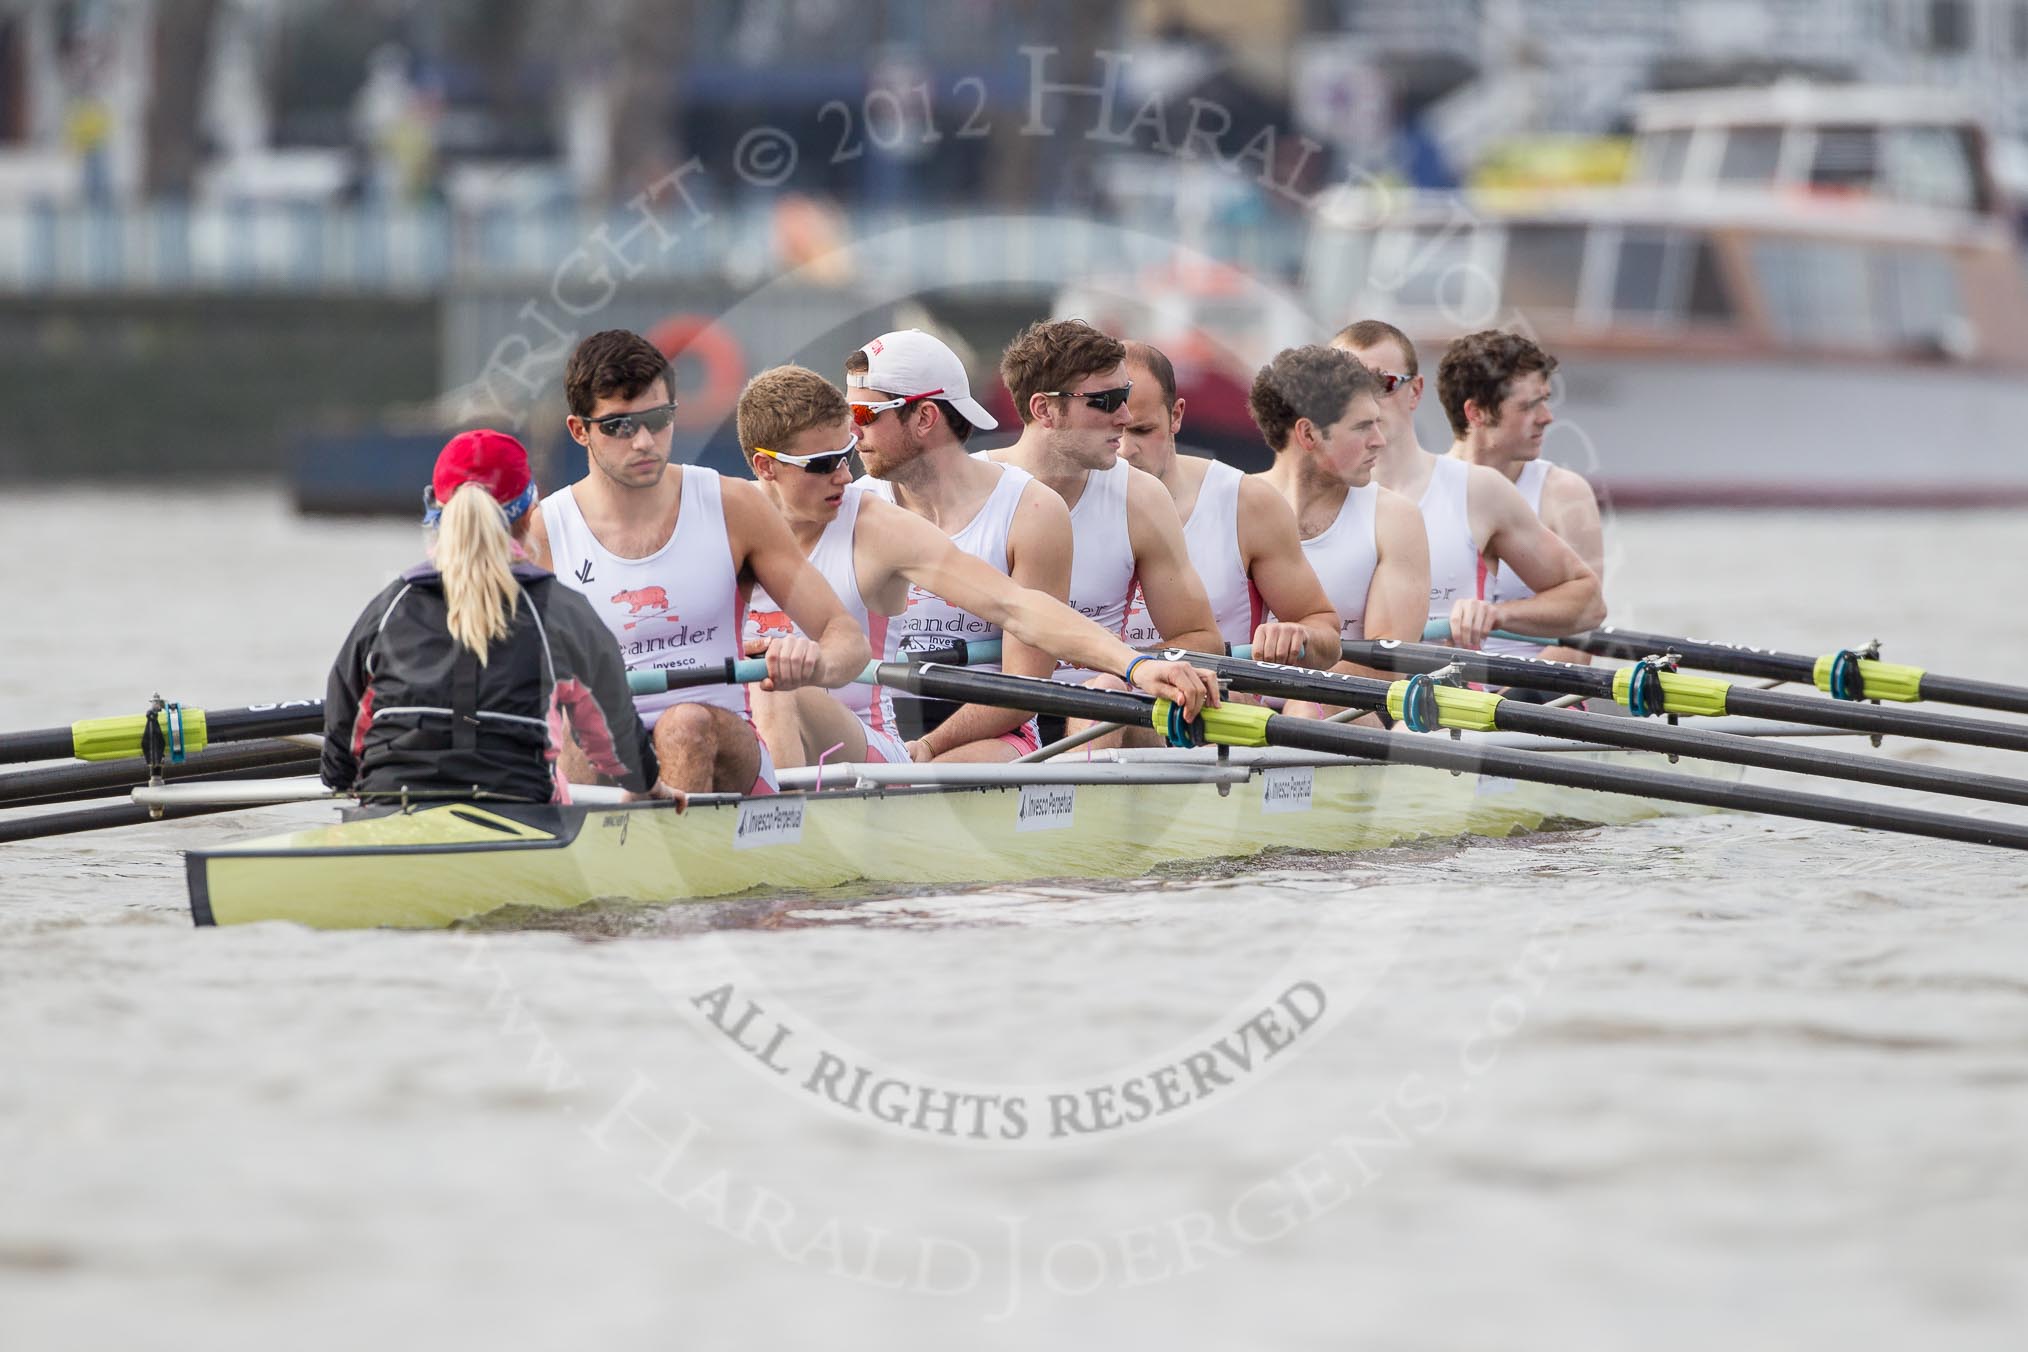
1705 1081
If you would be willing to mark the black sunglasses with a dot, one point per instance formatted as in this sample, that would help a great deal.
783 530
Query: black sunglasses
622 426
1105 401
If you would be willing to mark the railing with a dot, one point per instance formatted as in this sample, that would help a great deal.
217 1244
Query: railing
292 248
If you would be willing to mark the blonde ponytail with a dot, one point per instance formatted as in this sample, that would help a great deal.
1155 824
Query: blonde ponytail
475 554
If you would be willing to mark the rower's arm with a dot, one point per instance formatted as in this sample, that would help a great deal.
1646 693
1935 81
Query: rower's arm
763 549
1174 594
1272 551
1568 597
1570 508
536 542
344 690
1397 599
1038 556
912 548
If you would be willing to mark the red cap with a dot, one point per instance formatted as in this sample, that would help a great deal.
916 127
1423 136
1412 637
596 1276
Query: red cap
486 457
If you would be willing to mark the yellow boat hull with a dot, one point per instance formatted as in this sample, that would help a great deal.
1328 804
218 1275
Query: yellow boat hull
436 866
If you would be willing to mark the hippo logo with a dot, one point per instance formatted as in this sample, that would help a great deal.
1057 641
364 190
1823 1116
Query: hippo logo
767 623
642 598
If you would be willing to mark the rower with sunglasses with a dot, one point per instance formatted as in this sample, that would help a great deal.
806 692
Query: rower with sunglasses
1477 521
912 405
797 432
668 561
1070 389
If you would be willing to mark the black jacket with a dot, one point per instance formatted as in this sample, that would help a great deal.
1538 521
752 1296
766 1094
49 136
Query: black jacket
407 706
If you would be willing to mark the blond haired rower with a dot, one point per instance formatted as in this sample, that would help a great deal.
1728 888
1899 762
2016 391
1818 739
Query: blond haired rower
668 561
1475 519
1240 532
1318 410
797 432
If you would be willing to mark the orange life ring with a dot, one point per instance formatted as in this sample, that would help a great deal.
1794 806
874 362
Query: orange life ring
718 352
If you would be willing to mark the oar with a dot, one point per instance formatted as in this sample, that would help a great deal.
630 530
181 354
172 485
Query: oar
180 731
21 827
748 670
1852 674
1427 706
1654 690
1234 724
62 783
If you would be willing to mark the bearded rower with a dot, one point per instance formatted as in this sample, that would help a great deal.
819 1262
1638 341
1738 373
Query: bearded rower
1501 383
1319 411
913 409
668 560
1476 520
1240 533
796 430
1070 387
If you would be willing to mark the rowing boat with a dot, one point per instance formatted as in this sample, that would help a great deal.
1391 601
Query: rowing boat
432 866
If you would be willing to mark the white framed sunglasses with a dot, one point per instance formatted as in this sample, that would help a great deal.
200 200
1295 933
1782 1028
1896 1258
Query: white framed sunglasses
824 462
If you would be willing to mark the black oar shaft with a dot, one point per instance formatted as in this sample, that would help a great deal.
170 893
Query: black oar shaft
1469 758
1769 664
1761 663
1637 734
1973 694
1563 769
16 828
287 719
57 783
1847 715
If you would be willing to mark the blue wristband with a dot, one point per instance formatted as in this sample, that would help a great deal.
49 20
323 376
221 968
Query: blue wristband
1129 673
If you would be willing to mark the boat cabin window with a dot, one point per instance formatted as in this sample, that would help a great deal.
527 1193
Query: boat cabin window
1544 266
1845 157
1446 268
1659 156
1933 167
1872 297
1666 277
1752 154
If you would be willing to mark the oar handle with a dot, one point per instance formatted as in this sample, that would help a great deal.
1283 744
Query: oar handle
748 670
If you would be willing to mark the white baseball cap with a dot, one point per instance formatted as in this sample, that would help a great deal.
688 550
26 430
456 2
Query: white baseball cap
909 361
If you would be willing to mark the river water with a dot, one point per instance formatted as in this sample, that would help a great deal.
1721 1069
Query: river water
1701 1081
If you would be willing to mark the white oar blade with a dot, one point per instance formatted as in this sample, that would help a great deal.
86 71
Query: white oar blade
248 793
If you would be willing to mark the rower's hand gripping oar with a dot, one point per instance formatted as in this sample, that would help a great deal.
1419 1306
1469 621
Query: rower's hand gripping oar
1848 674
1652 688
752 670
1254 725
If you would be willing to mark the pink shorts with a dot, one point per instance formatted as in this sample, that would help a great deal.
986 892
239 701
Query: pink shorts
1025 739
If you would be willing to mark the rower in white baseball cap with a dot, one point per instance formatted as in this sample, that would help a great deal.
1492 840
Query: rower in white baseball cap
910 365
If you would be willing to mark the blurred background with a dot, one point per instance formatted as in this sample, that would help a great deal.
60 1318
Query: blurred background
1774 242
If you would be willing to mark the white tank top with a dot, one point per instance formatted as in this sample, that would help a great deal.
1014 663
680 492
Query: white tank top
1507 585
1447 519
1102 577
833 557
1344 557
1212 537
675 610
984 537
